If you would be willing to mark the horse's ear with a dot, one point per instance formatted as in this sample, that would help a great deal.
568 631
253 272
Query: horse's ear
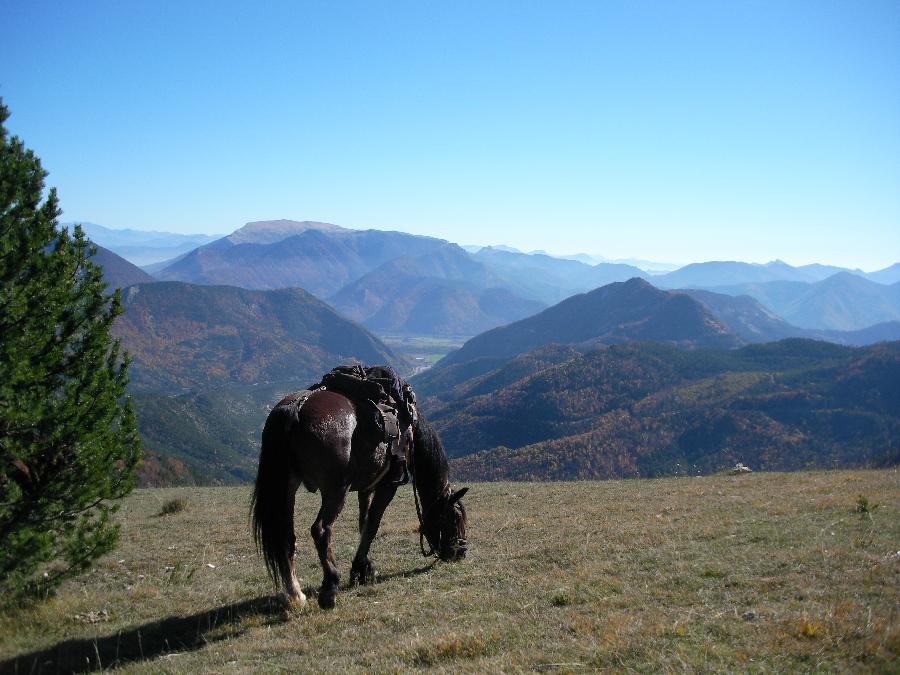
456 496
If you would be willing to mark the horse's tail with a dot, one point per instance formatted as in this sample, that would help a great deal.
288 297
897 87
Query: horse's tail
272 504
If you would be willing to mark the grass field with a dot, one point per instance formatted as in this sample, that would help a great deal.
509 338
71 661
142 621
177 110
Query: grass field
760 572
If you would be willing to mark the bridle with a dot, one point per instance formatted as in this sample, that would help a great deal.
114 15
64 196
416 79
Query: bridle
461 544
422 513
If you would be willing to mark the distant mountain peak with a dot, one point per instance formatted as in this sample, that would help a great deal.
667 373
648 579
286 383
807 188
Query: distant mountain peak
271 231
637 282
632 310
505 249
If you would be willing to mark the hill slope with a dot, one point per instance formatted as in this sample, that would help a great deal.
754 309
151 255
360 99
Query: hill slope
648 410
208 436
185 336
888 275
618 312
118 272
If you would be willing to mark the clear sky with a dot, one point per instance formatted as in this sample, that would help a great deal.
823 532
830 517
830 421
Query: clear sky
675 131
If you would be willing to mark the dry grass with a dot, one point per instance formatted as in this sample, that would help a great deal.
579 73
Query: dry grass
770 572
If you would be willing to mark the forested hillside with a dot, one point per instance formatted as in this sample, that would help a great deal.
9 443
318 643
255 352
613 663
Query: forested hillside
184 335
649 409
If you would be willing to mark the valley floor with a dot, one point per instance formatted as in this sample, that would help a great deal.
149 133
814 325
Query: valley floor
759 572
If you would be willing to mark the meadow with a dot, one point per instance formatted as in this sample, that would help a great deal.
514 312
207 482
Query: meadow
422 351
759 572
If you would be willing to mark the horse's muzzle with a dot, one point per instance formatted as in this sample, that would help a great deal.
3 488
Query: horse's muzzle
457 551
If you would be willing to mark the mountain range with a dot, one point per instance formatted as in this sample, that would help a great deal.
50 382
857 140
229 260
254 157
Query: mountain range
142 247
843 301
443 292
550 279
318 257
617 377
208 361
748 319
631 380
706 274
397 283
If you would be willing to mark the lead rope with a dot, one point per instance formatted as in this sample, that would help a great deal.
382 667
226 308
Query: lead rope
412 462
421 525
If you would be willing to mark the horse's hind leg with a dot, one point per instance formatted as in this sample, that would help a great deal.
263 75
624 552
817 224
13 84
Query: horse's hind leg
288 577
332 503
363 571
365 502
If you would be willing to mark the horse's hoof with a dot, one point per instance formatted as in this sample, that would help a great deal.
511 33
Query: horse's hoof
363 576
326 599
293 601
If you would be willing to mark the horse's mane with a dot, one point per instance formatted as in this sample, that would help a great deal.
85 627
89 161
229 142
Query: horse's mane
430 465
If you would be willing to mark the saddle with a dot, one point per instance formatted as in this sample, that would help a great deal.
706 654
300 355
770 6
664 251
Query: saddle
384 402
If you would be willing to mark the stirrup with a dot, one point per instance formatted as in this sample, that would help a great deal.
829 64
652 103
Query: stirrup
403 479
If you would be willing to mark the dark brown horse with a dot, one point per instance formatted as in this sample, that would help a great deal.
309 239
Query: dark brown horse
318 444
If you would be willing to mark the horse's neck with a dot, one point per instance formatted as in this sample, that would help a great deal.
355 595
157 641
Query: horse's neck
430 480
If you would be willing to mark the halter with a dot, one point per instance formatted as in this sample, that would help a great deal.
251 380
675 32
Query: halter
421 513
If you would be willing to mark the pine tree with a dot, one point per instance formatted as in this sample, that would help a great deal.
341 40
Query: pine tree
68 441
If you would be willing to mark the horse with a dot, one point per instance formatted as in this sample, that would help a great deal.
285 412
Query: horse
314 439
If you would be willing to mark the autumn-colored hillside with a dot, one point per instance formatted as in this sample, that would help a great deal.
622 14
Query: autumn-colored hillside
650 410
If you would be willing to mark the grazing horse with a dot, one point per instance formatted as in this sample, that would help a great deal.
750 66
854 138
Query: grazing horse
314 439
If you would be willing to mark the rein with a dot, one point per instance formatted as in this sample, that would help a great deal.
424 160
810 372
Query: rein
412 468
421 525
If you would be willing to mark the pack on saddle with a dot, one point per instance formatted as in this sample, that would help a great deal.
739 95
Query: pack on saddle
385 409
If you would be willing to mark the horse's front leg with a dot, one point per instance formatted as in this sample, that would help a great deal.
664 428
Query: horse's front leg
363 571
332 503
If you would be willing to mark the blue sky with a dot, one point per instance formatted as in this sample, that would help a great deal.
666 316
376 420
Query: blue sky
674 131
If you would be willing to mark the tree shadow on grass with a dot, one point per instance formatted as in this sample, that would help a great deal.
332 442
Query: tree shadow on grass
172 635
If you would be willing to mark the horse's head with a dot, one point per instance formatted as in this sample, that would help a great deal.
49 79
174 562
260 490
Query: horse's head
444 526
